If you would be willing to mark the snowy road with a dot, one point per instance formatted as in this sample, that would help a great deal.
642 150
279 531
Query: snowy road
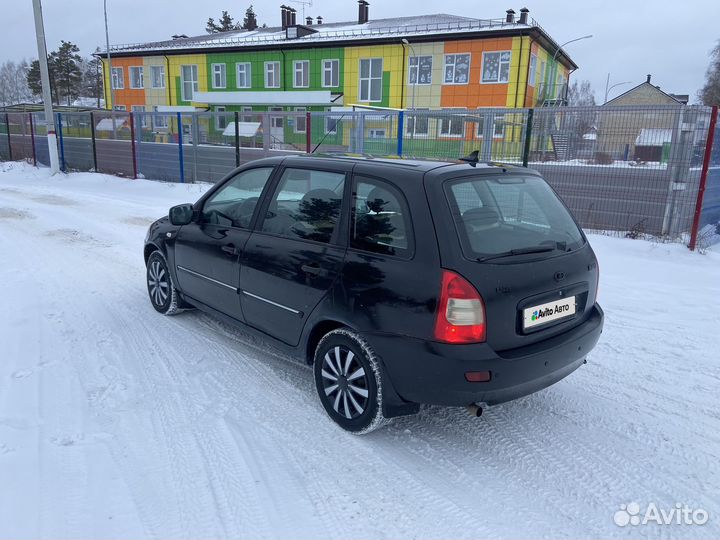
116 422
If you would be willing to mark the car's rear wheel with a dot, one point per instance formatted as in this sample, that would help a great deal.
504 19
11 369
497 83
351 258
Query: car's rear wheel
162 292
348 377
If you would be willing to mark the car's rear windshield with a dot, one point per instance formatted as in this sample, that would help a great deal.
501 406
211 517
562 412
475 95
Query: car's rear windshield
495 215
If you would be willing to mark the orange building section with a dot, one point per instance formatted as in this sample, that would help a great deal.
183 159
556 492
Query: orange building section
128 96
475 94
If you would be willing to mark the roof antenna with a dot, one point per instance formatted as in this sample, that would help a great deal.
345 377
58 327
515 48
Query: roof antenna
471 158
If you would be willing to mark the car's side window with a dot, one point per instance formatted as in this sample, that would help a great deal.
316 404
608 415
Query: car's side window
380 221
306 205
233 205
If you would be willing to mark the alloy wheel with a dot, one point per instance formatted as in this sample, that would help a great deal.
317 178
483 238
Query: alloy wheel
345 383
158 283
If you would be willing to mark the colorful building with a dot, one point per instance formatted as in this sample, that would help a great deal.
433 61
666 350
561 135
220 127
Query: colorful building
425 62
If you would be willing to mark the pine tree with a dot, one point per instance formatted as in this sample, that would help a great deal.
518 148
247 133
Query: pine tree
710 92
250 20
68 72
35 84
224 24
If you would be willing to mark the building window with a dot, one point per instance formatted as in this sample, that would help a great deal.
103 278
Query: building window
160 121
272 74
376 133
157 76
371 79
189 76
136 77
496 67
499 127
142 117
118 78
457 68
300 120
452 125
120 108
219 79
243 75
331 73
331 123
533 67
420 70
560 84
302 74
247 117
417 124
220 119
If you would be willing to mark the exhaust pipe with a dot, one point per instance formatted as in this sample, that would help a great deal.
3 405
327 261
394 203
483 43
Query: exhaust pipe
474 410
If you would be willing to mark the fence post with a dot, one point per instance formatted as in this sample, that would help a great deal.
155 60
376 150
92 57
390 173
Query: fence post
92 137
132 144
63 166
237 138
401 121
308 134
32 139
703 179
528 135
180 147
7 124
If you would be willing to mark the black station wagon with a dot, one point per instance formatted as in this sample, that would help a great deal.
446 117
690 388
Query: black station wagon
402 282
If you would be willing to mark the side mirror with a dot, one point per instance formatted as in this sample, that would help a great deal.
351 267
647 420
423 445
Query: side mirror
182 214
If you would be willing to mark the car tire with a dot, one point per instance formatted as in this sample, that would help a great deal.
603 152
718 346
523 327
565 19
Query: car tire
161 289
348 378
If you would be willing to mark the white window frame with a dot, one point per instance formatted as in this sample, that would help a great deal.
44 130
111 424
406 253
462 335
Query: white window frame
219 70
500 63
412 120
533 69
246 109
301 70
193 81
373 133
276 74
331 117
153 71
454 63
450 119
163 124
117 78
369 79
331 66
140 109
141 71
219 117
413 81
499 121
298 117
247 74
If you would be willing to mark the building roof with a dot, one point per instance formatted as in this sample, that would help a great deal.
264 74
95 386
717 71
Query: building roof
417 27
653 137
646 84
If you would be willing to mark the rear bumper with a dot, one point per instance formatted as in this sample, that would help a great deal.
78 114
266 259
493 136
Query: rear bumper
434 373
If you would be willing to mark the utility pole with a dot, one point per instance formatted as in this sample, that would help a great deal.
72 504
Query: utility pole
47 97
109 61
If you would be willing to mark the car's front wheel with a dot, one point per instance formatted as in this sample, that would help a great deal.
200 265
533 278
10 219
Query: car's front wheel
163 296
348 377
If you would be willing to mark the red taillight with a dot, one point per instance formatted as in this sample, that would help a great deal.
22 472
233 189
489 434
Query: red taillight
461 312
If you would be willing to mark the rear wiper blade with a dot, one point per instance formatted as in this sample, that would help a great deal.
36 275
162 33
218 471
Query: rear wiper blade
517 251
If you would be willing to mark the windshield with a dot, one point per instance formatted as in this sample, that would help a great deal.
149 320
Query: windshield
510 215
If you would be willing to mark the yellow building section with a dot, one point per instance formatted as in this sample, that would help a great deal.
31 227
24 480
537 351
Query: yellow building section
175 64
157 87
519 62
392 78
424 96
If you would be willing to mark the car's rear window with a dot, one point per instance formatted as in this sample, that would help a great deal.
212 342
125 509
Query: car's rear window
496 215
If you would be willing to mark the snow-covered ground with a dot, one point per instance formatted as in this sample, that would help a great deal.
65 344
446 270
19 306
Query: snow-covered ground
117 422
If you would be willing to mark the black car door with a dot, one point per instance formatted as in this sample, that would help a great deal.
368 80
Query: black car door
296 251
207 251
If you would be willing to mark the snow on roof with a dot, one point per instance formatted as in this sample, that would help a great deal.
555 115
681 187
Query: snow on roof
419 25
245 129
653 137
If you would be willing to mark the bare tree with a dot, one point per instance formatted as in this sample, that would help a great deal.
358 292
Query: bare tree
582 95
710 93
13 83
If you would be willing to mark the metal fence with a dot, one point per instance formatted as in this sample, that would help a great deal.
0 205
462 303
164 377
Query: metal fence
630 170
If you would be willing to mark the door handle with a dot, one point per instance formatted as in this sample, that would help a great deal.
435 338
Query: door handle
313 269
230 248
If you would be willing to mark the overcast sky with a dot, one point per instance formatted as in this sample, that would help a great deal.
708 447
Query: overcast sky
669 39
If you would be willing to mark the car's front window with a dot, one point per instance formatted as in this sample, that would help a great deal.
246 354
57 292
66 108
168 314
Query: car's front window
499 214
233 204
